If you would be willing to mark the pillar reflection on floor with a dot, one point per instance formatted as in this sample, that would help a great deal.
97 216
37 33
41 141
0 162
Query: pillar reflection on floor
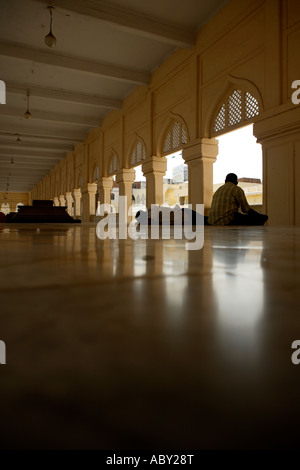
144 344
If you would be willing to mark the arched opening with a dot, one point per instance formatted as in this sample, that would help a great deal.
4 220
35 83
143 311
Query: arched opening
112 167
240 153
79 186
96 175
176 178
137 156
114 196
72 205
238 150
176 181
139 191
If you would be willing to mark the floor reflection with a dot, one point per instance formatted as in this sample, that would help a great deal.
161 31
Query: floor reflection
239 294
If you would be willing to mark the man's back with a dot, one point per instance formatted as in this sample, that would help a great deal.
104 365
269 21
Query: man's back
226 202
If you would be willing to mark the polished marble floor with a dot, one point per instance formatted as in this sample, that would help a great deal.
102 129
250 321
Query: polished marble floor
123 344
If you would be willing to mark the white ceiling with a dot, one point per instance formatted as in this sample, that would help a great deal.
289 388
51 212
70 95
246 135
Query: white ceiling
104 50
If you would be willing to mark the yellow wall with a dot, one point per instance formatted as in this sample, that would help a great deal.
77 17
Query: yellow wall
250 44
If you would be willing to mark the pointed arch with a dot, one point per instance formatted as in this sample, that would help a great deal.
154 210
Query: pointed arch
113 164
138 152
240 104
79 180
96 173
175 135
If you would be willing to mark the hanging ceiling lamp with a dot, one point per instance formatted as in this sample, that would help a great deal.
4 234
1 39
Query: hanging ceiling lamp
50 39
18 139
12 161
27 115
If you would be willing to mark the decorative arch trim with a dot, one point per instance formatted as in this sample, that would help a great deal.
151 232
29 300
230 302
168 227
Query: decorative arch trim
175 135
113 164
79 180
96 172
241 103
138 152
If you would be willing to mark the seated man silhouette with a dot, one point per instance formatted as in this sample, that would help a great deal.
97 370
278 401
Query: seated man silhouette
226 202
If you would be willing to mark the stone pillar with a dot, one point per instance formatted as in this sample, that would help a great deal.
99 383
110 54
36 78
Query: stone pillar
69 201
125 178
55 201
200 157
154 170
77 202
104 187
62 200
89 201
279 135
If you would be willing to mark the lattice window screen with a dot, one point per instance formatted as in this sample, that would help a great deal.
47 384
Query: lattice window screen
183 135
113 165
139 153
167 144
235 108
220 121
251 106
175 138
239 107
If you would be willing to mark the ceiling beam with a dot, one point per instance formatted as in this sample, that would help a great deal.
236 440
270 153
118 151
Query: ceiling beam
45 133
27 167
72 119
45 148
28 155
33 172
55 138
55 59
63 95
133 21
17 189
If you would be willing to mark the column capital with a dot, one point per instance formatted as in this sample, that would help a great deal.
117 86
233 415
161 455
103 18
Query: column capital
76 192
201 149
278 123
105 182
155 164
126 175
90 188
55 201
62 200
